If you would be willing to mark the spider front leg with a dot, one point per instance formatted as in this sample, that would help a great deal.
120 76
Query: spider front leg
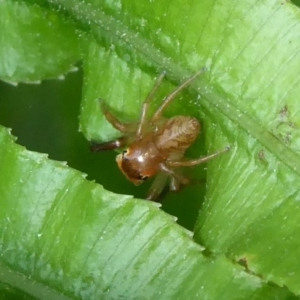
126 128
115 122
111 145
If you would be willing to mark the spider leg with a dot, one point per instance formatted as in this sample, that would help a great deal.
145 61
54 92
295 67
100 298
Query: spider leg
112 145
175 185
115 122
146 105
168 99
197 161
168 170
157 186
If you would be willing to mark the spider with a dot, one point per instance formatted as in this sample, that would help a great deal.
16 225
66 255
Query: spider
155 146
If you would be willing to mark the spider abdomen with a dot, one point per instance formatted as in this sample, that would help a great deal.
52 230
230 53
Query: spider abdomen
177 134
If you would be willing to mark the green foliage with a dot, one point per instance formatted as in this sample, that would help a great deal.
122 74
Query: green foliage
35 43
80 241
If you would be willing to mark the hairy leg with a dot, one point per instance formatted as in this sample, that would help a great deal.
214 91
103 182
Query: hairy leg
157 187
145 106
194 162
115 122
111 145
175 185
168 170
171 97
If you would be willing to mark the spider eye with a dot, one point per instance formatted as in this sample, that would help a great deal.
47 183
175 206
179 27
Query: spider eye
124 152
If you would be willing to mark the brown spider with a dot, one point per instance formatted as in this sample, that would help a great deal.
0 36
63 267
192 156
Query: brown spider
156 145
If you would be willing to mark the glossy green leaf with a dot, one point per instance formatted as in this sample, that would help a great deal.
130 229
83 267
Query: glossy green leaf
77 240
250 90
35 43
248 100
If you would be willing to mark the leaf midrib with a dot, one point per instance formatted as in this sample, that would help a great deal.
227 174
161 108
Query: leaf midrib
104 25
29 285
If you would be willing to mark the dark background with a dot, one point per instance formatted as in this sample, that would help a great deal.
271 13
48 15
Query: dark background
44 118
